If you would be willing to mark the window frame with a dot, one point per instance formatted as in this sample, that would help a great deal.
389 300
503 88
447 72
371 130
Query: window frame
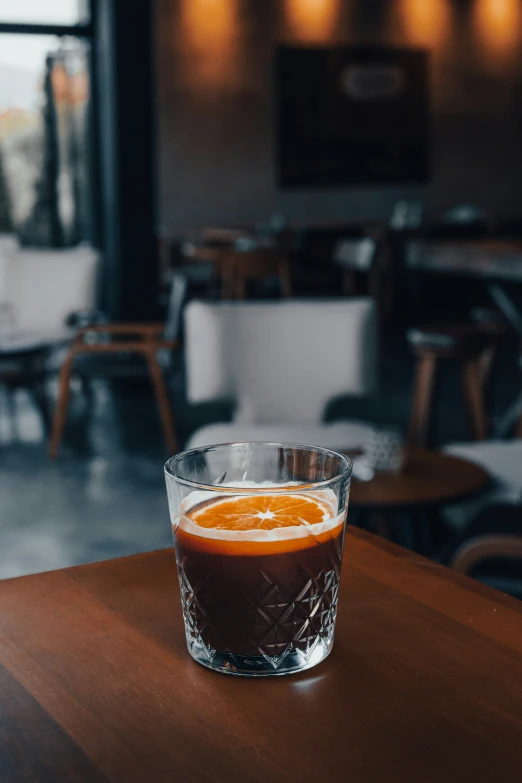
80 30
85 30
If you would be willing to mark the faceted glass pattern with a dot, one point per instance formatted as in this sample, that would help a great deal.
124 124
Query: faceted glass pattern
260 601
288 630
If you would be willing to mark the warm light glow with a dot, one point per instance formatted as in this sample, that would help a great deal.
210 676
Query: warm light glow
312 20
210 28
426 22
498 22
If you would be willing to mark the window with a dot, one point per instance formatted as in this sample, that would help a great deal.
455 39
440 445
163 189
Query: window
45 102
63 12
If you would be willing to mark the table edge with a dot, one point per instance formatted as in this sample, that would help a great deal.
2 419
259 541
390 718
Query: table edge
416 561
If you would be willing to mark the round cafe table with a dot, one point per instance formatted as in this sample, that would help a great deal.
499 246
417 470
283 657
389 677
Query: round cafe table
404 506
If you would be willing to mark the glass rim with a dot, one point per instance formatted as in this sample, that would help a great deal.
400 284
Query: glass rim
345 473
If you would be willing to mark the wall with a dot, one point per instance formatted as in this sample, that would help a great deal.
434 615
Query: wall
215 104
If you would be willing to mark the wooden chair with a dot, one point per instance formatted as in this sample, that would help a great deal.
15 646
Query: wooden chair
431 345
146 342
490 548
110 350
237 267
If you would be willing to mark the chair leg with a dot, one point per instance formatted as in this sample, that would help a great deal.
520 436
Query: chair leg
485 364
420 419
162 400
382 526
60 415
472 387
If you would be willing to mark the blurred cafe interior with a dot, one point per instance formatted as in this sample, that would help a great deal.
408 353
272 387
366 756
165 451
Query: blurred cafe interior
287 220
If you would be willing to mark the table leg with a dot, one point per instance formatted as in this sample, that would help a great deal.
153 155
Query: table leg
34 382
424 544
412 530
39 395
376 522
10 406
403 530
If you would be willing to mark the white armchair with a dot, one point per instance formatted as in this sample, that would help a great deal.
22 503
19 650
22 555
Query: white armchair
281 362
43 287
40 290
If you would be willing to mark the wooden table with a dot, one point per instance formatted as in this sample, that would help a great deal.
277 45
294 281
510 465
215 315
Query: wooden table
428 479
404 506
486 258
424 683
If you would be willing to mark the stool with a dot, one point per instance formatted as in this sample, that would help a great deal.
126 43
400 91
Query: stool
492 324
446 341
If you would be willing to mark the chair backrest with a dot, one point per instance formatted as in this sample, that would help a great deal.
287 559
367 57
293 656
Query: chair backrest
45 286
280 361
356 254
489 548
238 267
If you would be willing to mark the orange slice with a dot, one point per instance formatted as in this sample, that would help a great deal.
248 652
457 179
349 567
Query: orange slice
261 512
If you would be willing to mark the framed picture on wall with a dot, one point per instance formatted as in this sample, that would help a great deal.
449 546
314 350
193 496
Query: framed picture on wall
351 116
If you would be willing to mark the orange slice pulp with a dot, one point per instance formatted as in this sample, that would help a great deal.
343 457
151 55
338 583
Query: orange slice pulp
265 524
261 512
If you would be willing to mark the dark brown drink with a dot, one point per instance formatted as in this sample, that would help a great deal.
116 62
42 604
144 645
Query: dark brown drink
261 598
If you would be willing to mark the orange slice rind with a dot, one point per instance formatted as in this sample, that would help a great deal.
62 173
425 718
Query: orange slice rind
260 517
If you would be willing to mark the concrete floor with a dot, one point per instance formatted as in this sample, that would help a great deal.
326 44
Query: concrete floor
105 496
98 500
